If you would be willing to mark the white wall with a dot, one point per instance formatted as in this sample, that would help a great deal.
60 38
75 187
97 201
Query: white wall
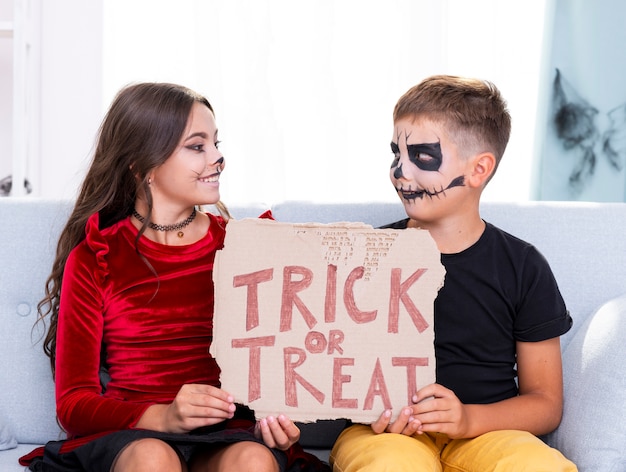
6 88
303 90
71 92
63 99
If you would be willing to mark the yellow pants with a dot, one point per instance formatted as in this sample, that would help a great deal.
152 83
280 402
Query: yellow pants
358 448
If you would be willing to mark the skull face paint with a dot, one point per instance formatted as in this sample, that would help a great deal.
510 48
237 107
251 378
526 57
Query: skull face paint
422 157
425 156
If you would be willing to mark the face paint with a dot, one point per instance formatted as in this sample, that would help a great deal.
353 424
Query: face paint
414 194
220 165
396 153
427 157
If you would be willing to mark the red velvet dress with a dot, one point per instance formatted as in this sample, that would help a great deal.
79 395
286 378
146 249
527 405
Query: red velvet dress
149 313
154 322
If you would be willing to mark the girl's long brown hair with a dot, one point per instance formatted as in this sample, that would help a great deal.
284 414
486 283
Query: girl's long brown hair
139 132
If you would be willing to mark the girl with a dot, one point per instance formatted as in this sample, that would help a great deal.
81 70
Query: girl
130 304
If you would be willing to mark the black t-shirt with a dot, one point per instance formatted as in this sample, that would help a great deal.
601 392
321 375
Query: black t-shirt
498 291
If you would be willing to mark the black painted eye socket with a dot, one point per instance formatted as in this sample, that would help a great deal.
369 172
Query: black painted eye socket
396 154
395 161
425 156
426 162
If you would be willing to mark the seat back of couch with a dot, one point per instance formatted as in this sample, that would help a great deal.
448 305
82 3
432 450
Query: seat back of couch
584 243
29 230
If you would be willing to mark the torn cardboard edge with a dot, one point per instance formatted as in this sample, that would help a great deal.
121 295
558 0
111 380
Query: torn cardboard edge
325 321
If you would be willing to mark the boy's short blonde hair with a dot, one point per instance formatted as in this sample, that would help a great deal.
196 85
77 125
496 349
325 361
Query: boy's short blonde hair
472 111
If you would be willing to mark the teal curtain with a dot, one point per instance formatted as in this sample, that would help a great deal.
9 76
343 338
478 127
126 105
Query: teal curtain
582 122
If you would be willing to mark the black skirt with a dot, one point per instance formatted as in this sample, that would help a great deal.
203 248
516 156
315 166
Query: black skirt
99 454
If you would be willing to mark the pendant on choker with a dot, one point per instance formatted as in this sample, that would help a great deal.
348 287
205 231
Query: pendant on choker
173 227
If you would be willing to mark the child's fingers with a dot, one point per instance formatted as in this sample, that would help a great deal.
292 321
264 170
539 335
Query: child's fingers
381 424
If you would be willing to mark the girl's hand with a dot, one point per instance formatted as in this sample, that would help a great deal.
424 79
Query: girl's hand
195 406
280 433
438 409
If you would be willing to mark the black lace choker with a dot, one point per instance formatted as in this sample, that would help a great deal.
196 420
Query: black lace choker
174 227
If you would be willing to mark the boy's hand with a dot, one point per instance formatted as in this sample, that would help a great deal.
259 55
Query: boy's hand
280 433
434 409
405 423
438 409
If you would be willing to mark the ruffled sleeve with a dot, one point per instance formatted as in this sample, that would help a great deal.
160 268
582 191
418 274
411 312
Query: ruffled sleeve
98 245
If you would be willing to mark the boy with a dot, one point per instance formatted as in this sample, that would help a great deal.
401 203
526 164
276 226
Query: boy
498 316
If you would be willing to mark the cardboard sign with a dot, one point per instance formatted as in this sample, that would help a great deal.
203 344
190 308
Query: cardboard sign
325 321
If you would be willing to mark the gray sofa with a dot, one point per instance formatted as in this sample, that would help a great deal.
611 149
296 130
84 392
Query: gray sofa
584 243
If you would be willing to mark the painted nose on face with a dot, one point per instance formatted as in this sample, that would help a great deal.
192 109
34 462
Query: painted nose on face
397 167
397 172
219 165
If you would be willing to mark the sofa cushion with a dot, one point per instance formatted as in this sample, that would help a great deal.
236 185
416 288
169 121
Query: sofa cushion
28 233
9 459
595 392
7 439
